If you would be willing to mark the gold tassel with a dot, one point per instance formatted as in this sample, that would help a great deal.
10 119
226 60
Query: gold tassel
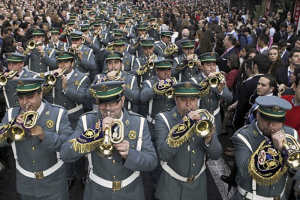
263 181
174 142
85 147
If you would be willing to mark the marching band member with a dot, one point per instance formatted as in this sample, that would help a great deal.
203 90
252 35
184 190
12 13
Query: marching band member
41 174
180 148
119 176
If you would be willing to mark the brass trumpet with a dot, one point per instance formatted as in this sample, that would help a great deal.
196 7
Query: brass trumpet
292 147
106 148
215 81
169 93
205 125
73 50
155 26
192 62
30 46
16 132
4 78
51 81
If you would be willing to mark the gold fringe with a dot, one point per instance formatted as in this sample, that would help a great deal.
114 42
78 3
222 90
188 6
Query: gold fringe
174 142
156 91
87 147
260 179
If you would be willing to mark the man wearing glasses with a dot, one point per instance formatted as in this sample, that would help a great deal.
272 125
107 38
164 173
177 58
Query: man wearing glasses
115 176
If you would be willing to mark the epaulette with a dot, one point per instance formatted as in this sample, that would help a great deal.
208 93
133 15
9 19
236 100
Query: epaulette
166 110
134 113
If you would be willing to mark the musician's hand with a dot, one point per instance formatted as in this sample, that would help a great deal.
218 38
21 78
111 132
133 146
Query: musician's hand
41 51
64 81
190 57
278 138
37 131
198 63
107 122
79 54
20 119
112 74
58 70
211 75
221 86
88 39
194 115
208 138
123 148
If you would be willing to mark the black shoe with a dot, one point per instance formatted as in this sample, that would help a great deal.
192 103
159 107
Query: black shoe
71 183
230 180
83 181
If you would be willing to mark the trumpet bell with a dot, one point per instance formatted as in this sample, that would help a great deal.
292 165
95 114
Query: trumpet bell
106 150
293 161
292 147
214 82
16 133
203 128
3 80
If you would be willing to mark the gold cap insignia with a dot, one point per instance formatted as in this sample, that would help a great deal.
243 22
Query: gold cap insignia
21 83
103 88
187 85
76 82
61 53
112 53
8 55
275 109
50 123
212 54
132 135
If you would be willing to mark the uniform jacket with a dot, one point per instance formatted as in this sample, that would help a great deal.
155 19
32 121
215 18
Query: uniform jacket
144 160
9 89
38 64
159 48
160 102
140 62
127 61
242 154
87 65
78 84
60 47
186 160
35 155
211 101
187 73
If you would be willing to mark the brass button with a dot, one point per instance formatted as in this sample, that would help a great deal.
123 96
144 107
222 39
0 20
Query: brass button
33 149
167 105
40 63
193 151
193 139
273 188
194 165
33 162
132 146
114 177
114 161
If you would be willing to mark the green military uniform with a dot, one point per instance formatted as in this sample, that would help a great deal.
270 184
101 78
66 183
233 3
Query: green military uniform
132 91
139 63
136 48
182 152
160 46
211 100
59 45
262 170
39 64
40 171
87 65
114 178
180 69
9 89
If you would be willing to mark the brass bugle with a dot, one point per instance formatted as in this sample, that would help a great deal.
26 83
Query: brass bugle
215 81
4 78
204 127
110 138
169 93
